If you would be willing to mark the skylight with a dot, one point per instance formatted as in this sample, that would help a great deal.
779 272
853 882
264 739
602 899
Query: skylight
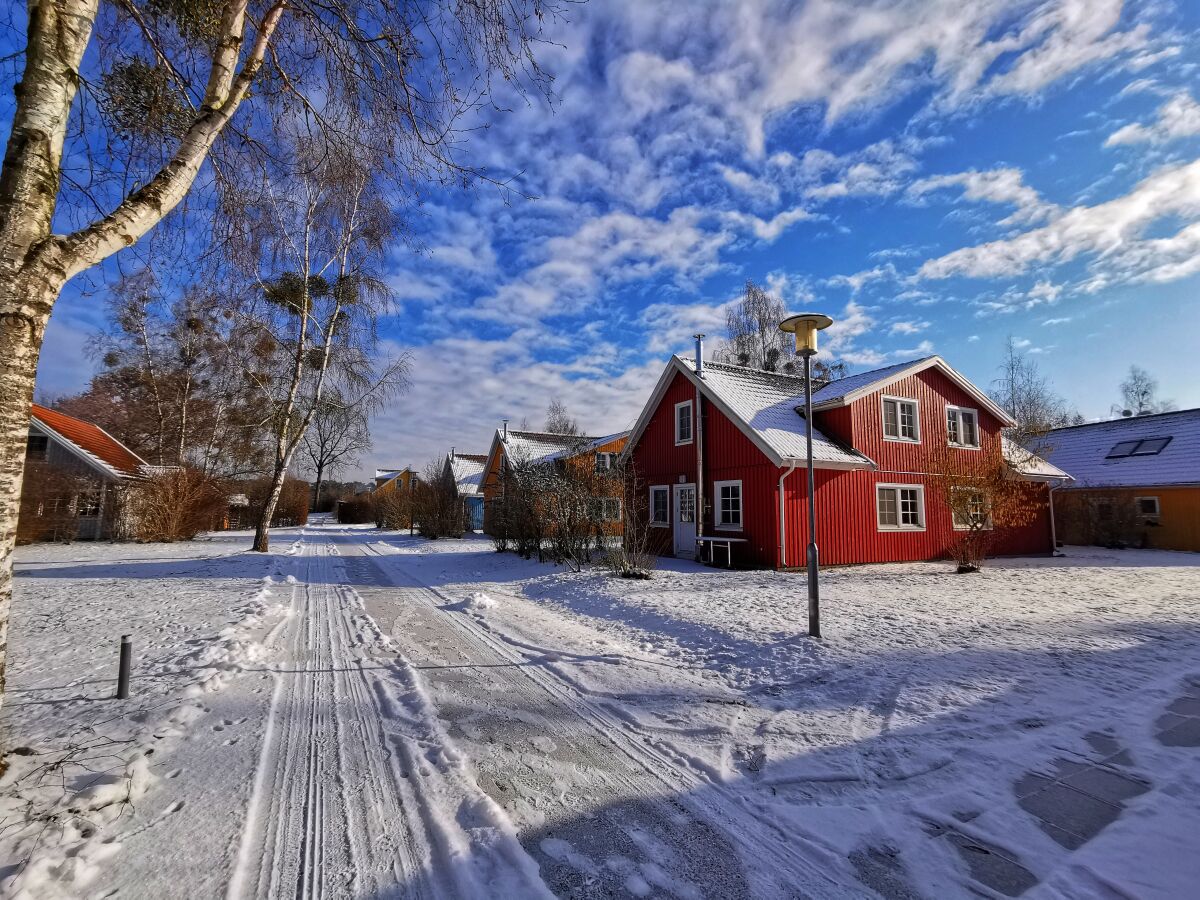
1145 447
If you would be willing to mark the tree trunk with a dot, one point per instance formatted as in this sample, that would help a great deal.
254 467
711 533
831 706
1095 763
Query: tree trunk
22 326
317 486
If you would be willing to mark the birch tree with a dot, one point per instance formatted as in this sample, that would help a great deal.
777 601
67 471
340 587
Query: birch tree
138 95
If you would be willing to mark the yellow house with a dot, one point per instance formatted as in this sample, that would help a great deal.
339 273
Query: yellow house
1137 481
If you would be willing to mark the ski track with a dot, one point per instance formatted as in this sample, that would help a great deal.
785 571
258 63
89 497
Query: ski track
355 792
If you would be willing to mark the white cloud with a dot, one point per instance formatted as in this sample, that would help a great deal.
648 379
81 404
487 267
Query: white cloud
747 184
1111 232
1179 117
972 338
1006 186
1059 321
907 327
791 288
669 327
767 229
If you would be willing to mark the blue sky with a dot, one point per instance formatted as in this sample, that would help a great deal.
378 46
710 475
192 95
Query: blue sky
934 175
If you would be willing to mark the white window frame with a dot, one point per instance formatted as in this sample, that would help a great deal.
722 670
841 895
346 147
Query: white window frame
666 489
717 511
954 522
691 423
900 439
1153 518
951 408
899 526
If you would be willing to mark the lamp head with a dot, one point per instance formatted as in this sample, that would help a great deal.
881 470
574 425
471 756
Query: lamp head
805 326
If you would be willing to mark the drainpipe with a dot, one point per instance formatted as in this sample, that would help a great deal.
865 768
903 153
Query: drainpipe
699 436
783 517
1053 527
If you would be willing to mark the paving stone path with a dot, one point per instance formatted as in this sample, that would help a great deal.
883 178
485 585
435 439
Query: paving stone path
1072 800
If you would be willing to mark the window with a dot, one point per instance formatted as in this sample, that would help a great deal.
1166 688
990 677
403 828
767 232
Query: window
89 505
729 503
1148 510
1144 447
683 422
604 462
900 421
962 426
36 446
610 509
660 506
900 507
687 504
970 511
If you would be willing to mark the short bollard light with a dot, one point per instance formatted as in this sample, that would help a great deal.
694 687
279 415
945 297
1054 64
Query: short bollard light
124 667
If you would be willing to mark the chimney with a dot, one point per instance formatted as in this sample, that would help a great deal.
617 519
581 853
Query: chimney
451 454
505 438
699 354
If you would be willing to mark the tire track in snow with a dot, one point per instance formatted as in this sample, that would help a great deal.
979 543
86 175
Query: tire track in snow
623 761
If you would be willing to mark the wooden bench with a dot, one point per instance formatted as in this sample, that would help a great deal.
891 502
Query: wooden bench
715 541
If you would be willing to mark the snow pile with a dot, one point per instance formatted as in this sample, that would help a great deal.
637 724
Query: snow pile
480 600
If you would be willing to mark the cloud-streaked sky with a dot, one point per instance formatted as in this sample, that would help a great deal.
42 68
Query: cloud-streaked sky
934 174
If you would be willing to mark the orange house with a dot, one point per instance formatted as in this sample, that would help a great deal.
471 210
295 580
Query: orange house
511 449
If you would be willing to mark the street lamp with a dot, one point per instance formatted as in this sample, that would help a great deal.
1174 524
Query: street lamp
805 326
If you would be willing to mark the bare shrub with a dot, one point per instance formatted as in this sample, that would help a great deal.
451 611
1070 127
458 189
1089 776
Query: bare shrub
174 505
356 510
394 509
985 497
632 557
437 507
291 508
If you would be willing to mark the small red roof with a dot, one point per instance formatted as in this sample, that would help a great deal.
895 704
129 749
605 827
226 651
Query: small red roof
91 439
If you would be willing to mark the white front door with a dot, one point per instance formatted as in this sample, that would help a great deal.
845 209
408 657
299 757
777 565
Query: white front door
685 520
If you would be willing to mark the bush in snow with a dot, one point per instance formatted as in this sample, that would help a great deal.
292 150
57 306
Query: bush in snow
983 496
174 505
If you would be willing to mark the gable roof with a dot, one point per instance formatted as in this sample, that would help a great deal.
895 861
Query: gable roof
853 387
89 442
467 471
1083 451
763 405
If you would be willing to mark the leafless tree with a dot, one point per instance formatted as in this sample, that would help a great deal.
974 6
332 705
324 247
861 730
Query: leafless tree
107 144
1026 395
559 421
315 324
1139 392
338 434
753 338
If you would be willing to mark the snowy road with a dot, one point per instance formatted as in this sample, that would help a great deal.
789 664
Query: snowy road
360 791
369 714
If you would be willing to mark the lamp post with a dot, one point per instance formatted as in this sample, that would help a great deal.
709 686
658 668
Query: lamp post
805 326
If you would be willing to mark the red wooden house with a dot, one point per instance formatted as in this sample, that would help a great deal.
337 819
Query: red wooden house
721 453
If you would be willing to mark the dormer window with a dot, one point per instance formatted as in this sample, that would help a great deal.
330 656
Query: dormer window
900 420
962 427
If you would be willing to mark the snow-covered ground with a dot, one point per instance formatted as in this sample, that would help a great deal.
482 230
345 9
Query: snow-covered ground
369 714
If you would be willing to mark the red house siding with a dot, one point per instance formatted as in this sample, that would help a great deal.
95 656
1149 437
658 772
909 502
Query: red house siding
847 526
728 456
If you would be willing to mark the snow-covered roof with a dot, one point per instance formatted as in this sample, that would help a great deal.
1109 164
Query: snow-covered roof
838 390
1129 452
1030 465
764 406
852 387
389 474
467 471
